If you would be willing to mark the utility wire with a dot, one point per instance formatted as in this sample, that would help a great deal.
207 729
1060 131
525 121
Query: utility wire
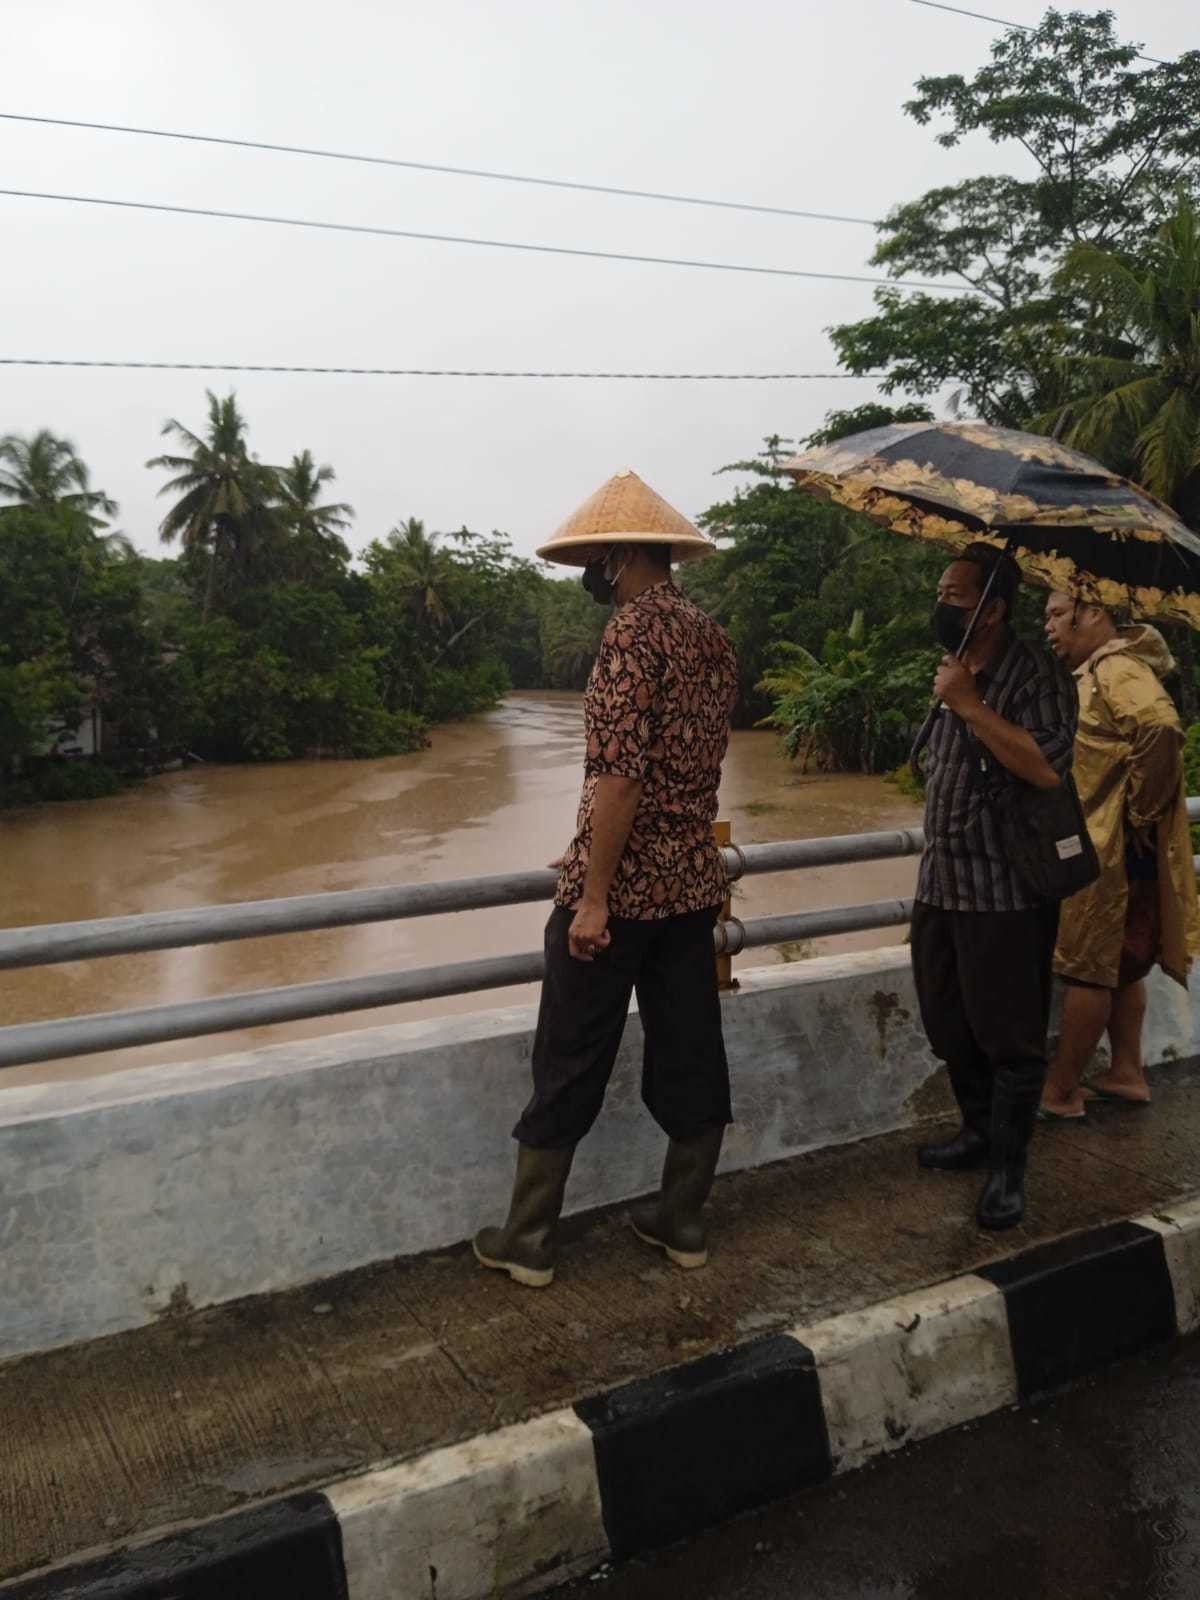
437 372
491 244
1025 27
431 166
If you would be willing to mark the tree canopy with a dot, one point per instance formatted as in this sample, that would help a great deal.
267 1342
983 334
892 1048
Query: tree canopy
1101 146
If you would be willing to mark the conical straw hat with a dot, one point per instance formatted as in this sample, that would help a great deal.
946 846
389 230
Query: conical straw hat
624 511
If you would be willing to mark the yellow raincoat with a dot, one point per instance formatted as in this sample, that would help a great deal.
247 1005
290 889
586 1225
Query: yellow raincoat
1124 787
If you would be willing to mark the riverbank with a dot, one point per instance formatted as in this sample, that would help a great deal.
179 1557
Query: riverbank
494 793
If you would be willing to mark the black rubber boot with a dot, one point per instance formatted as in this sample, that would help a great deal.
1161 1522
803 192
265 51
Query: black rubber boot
1014 1109
969 1147
674 1222
524 1246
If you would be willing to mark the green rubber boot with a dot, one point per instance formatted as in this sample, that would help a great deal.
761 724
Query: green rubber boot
524 1246
674 1223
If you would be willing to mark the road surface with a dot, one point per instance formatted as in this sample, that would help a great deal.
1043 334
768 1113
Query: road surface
1093 1494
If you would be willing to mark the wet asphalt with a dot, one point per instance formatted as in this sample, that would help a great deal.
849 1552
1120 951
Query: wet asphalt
1093 1493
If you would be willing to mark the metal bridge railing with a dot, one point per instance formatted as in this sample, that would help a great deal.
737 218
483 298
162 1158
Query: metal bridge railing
26 1043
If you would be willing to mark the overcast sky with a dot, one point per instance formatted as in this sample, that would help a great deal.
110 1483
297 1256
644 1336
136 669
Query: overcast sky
795 104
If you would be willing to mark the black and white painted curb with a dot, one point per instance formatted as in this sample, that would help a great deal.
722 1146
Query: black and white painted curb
666 1456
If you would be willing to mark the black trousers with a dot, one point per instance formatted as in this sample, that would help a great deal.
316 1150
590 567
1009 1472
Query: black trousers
685 1076
984 985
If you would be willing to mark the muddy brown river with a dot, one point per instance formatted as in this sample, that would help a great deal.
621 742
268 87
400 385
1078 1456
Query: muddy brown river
495 794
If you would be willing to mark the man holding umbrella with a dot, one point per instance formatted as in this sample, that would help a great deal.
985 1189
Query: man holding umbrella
982 943
998 858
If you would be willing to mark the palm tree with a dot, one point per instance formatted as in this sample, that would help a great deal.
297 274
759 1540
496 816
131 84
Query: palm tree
315 527
422 571
44 471
569 650
225 495
1139 409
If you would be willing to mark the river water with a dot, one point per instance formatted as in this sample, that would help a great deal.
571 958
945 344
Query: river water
494 794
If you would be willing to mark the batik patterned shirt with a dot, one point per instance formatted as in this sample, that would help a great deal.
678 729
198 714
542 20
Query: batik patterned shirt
657 708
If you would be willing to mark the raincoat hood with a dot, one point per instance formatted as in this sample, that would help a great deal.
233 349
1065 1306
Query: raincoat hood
1144 644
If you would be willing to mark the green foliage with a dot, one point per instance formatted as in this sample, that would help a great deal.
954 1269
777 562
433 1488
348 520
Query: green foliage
1191 771
68 780
793 568
258 642
1135 394
1082 310
45 473
856 705
1110 142
1191 758
50 560
570 624
910 784
841 424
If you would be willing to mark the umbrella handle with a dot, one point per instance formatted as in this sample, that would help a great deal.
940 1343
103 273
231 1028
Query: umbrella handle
926 729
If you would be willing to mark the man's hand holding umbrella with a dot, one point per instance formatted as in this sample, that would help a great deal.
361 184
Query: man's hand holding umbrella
954 686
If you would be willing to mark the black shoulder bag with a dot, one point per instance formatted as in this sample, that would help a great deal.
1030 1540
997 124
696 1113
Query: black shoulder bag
1043 831
1045 837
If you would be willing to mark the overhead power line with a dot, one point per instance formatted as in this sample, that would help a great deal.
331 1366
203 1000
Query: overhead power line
437 372
1024 27
491 244
432 166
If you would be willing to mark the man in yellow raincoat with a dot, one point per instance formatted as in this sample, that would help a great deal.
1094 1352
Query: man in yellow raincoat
1142 910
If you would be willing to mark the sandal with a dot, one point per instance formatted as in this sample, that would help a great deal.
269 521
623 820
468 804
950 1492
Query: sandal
1094 1092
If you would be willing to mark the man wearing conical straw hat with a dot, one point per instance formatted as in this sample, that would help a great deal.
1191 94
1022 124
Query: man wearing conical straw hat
639 888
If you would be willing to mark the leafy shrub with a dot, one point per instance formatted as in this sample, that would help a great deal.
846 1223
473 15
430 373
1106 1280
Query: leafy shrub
910 784
73 780
856 706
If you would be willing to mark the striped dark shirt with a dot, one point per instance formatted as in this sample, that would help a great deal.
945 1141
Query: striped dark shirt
964 867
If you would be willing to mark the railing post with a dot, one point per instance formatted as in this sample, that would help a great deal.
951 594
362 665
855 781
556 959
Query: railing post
723 834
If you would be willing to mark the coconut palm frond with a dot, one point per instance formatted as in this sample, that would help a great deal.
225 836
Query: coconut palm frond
1123 410
1169 444
1107 279
46 471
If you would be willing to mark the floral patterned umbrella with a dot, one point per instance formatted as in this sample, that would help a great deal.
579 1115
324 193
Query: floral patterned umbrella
1070 523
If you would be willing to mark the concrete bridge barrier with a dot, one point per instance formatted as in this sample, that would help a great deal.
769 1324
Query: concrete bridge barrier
149 1192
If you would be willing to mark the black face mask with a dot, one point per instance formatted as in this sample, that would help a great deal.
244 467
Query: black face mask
597 585
950 624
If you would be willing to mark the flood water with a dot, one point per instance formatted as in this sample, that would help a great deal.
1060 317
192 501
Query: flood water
494 794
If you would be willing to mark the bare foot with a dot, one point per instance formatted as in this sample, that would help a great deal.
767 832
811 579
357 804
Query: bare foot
1109 1088
1070 1110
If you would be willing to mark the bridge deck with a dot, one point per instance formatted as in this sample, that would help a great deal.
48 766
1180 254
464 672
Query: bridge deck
206 1411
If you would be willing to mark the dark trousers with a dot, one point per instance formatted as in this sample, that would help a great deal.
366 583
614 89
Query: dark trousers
685 1078
984 985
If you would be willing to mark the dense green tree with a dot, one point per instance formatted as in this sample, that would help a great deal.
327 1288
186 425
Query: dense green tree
300 683
1139 410
1105 145
443 615
569 627
74 633
841 424
856 704
791 568
412 563
40 565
